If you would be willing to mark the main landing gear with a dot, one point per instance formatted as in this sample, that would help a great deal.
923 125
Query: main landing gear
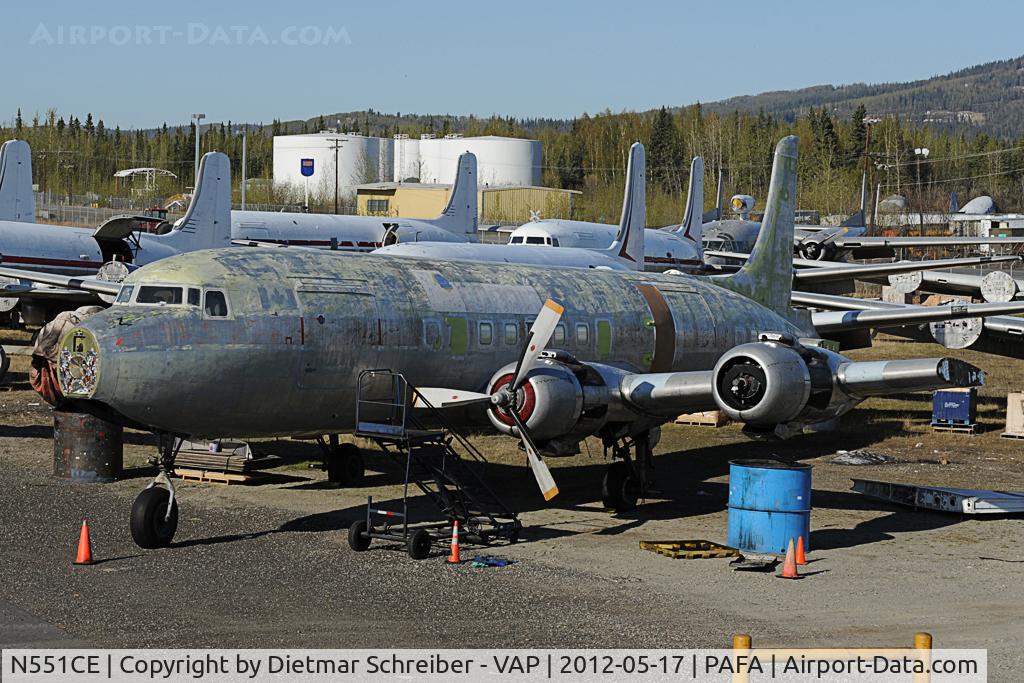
343 461
625 480
155 511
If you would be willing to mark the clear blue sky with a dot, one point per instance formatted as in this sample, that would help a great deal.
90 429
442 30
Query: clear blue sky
240 61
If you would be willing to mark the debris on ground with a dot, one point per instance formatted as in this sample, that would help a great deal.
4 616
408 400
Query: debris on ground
484 561
943 499
861 457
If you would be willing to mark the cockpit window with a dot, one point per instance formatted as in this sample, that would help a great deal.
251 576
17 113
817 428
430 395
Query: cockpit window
125 295
216 304
535 240
554 241
516 239
193 296
158 294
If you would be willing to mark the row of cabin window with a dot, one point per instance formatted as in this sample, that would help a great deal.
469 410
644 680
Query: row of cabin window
486 334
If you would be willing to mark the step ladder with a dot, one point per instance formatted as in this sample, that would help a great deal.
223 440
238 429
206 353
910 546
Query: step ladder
440 462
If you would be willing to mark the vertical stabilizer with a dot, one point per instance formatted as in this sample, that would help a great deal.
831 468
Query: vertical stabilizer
461 214
692 228
715 214
767 276
629 240
17 201
207 222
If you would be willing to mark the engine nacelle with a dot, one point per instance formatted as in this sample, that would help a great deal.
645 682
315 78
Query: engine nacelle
777 382
560 403
742 204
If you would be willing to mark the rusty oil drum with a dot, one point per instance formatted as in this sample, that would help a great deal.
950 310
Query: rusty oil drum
86 448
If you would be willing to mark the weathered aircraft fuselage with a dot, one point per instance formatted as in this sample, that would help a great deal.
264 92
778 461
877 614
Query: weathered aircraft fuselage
282 355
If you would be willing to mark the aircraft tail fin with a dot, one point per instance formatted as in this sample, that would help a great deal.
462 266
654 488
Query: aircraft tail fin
629 240
692 228
859 218
461 214
715 214
767 276
207 221
17 202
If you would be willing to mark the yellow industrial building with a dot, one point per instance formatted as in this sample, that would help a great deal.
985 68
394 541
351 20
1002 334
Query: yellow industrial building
497 205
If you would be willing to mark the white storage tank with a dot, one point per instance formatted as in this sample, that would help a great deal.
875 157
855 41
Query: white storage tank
500 160
361 159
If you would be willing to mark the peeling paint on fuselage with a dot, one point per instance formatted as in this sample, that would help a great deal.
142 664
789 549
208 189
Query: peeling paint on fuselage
303 325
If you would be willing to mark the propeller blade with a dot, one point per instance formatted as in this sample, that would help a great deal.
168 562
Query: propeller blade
541 473
440 397
540 334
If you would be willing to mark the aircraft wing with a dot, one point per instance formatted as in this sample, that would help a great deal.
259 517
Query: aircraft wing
86 284
862 242
813 271
847 313
826 271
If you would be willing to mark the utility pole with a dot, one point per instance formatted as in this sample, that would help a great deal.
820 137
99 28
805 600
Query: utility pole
197 118
337 147
920 152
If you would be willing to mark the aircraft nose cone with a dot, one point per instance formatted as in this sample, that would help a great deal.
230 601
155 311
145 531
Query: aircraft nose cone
78 363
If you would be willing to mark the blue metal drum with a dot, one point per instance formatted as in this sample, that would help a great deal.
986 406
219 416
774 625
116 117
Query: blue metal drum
769 503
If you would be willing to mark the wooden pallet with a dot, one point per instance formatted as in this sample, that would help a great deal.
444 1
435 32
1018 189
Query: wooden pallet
952 427
1012 435
689 550
213 477
707 418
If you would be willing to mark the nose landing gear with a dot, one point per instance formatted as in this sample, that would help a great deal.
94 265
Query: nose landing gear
154 518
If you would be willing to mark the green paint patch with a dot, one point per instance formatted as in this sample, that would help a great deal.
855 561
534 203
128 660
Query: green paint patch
459 334
604 339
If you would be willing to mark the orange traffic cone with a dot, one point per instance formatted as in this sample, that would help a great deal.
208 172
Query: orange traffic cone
84 555
454 557
789 565
800 559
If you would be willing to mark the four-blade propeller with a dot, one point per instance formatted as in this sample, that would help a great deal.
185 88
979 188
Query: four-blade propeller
506 398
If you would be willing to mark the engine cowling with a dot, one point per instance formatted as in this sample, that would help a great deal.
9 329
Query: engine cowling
776 382
560 403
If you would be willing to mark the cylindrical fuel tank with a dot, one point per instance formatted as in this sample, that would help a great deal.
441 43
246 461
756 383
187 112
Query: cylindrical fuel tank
769 503
86 448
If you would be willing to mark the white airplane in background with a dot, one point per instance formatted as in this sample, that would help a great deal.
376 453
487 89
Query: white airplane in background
17 202
626 252
82 252
678 247
457 223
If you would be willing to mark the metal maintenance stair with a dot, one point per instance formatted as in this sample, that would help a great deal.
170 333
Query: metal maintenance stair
441 462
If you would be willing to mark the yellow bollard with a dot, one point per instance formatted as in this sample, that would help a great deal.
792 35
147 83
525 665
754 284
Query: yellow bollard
923 642
741 644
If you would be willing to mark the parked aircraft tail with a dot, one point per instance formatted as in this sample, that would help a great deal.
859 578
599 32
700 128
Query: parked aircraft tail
767 276
629 240
860 217
715 214
207 222
692 228
461 215
17 202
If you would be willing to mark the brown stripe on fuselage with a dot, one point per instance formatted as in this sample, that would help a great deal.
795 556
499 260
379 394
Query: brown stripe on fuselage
664 329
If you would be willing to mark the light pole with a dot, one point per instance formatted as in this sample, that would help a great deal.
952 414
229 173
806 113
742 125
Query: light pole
868 123
244 130
920 152
197 118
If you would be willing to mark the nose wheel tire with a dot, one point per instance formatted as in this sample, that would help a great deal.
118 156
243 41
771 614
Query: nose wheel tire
418 545
619 489
345 465
149 527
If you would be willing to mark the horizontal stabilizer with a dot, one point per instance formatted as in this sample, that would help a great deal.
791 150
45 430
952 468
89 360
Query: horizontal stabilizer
82 283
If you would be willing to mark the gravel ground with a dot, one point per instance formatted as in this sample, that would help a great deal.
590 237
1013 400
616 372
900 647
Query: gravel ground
253 576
